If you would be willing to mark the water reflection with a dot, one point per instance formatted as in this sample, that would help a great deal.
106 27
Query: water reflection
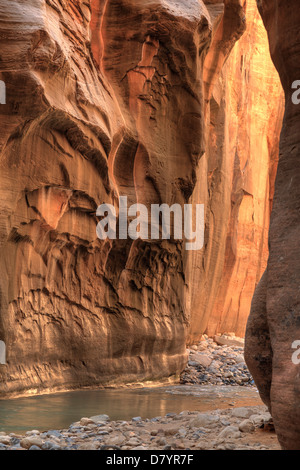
58 411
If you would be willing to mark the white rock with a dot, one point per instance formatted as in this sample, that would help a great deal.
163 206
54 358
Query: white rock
246 426
239 359
228 374
202 359
86 421
231 432
229 341
34 432
133 442
29 441
182 432
203 420
257 420
116 440
216 364
88 446
241 412
99 418
5 440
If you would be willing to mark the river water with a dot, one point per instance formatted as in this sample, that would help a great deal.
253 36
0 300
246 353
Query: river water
59 410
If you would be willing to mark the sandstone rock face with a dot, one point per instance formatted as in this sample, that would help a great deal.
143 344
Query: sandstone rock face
110 98
274 321
236 176
104 99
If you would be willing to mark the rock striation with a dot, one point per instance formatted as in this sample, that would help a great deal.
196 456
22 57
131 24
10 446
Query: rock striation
94 112
273 325
236 176
149 99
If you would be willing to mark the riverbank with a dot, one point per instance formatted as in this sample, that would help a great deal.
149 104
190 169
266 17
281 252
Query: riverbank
216 373
245 428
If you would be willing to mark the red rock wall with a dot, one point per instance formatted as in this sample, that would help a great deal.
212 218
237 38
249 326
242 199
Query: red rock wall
104 99
274 324
122 97
236 180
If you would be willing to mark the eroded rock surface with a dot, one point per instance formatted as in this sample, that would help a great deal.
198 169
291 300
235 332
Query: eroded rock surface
274 322
107 98
104 99
235 177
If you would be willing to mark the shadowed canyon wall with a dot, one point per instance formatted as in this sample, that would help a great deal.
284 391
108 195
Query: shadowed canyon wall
156 101
274 322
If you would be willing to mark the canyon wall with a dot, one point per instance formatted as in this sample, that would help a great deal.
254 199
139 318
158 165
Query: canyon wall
156 101
273 330
236 179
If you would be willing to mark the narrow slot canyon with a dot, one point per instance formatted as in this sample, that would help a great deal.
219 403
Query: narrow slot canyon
149 225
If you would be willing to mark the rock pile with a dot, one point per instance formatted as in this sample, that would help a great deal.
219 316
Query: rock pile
219 361
234 429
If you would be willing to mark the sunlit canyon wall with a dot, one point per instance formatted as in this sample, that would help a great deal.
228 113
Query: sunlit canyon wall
158 101
236 179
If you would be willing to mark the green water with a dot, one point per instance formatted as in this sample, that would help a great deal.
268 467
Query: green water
58 411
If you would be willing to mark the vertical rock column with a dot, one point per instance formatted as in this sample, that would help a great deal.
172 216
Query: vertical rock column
274 323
